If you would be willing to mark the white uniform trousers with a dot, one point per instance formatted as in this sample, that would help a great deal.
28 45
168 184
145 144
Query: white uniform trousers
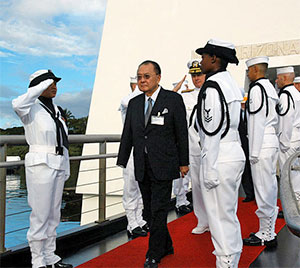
45 188
132 198
265 188
180 189
198 203
295 174
221 207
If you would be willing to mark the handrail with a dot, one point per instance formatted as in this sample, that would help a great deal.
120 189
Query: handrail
73 139
72 158
289 203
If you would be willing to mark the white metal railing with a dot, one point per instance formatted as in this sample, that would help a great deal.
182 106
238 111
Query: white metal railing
13 140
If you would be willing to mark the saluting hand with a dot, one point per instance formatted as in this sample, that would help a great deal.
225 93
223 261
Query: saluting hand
184 170
178 86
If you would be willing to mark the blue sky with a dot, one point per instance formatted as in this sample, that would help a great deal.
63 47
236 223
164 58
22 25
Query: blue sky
61 35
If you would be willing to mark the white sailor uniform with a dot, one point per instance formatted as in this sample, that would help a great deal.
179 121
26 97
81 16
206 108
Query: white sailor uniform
289 130
222 165
46 173
132 198
262 121
190 98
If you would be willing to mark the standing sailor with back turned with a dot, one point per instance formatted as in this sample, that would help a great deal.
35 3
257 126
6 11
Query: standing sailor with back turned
262 121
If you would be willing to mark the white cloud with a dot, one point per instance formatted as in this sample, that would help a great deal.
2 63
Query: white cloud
7 92
5 54
78 103
8 117
10 122
48 8
41 28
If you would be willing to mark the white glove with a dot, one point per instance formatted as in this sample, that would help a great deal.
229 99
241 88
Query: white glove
211 183
43 85
253 160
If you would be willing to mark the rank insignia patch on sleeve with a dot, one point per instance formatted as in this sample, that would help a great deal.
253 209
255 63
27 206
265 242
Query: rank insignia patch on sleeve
207 117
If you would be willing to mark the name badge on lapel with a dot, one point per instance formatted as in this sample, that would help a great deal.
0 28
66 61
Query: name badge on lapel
157 120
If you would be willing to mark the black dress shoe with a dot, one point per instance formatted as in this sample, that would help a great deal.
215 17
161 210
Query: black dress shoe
150 263
182 210
280 215
190 206
60 264
248 199
137 232
253 240
146 227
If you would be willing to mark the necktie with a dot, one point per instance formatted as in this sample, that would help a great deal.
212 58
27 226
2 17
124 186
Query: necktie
148 112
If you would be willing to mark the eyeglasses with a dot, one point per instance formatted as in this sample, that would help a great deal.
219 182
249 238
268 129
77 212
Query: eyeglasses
145 76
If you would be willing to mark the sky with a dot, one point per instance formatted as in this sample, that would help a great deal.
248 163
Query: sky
61 35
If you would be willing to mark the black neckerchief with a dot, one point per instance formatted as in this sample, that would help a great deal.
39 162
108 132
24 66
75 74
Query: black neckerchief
289 96
286 86
47 104
253 82
264 97
224 105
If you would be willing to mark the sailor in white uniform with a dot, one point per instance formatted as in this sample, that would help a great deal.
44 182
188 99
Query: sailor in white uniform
132 198
262 121
46 165
222 157
289 121
190 98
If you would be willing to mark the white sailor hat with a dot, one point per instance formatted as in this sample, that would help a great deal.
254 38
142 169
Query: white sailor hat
194 66
41 75
257 60
297 79
285 70
221 49
133 79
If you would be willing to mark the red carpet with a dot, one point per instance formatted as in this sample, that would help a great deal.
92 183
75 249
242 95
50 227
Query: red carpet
190 250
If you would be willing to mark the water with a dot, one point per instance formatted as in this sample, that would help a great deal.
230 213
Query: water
16 201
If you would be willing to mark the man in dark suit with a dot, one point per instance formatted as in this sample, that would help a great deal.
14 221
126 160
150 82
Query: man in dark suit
247 181
156 128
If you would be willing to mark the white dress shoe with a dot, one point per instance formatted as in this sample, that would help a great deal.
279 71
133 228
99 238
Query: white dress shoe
200 230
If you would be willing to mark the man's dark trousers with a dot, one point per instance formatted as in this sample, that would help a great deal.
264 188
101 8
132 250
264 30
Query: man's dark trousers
247 181
156 196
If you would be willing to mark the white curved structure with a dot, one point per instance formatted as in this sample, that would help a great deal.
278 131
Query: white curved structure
168 31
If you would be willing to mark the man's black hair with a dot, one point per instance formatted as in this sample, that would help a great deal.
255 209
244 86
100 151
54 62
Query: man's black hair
155 65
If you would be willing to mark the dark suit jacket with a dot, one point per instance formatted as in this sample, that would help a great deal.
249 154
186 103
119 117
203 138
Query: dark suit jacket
167 145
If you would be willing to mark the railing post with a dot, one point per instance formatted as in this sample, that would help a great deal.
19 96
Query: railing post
102 183
2 198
